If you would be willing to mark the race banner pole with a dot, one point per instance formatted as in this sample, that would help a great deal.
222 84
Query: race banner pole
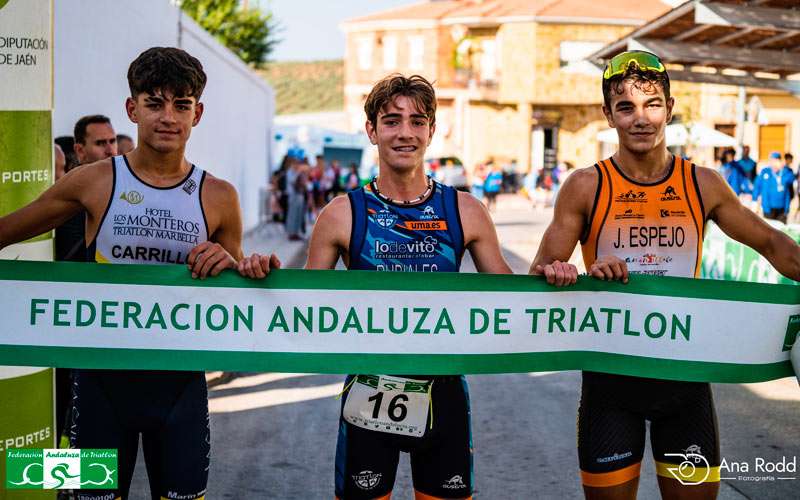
26 170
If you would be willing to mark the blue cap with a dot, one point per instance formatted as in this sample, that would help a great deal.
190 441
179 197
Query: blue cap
775 155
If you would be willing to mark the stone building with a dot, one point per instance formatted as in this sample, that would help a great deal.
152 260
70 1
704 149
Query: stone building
508 73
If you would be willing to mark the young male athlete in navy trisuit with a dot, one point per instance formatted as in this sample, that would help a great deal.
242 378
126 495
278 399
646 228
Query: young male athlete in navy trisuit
644 211
405 221
200 224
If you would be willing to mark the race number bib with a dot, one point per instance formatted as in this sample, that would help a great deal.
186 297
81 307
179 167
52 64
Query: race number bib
386 403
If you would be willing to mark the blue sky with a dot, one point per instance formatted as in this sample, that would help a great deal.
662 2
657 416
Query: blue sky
311 27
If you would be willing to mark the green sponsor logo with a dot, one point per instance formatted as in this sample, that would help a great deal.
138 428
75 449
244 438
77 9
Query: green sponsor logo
132 197
411 386
791 332
50 469
370 380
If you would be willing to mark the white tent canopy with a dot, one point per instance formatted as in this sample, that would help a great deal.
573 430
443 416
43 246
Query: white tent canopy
677 135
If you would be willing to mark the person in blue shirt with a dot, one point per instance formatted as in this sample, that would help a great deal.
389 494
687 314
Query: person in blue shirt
734 174
747 164
774 187
492 186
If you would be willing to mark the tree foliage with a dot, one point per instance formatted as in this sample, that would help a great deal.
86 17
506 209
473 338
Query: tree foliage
249 33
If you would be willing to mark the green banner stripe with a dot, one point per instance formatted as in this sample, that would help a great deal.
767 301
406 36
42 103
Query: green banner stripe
429 364
371 280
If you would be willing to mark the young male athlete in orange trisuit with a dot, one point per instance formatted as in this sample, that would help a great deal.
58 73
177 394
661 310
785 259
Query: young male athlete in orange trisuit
199 225
644 211
405 221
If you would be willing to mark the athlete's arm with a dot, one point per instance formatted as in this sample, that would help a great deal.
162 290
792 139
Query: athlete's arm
83 188
331 235
224 218
570 218
480 236
741 224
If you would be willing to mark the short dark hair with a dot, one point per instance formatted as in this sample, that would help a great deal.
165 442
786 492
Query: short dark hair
81 125
166 69
788 156
415 87
124 137
642 79
67 144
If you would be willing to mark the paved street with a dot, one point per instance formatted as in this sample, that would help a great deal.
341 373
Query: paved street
274 435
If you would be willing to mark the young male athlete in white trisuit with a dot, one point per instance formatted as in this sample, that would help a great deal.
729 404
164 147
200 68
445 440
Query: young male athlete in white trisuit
405 221
148 207
644 211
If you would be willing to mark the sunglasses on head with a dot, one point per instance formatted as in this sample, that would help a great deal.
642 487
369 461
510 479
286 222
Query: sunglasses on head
645 61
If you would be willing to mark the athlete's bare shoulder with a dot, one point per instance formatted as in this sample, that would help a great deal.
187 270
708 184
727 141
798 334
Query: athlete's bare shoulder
579 191
218 191
708 178
336 217
91 184
471 209
330 238
582 181
90 174
713 189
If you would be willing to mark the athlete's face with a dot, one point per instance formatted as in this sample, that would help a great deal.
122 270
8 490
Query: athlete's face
100 143
164 120
640 113
402 132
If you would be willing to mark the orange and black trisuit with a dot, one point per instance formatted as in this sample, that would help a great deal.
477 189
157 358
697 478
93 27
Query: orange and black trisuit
657 229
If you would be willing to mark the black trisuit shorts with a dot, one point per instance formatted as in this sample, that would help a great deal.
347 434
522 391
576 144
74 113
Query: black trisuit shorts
110 408
611 428
441 459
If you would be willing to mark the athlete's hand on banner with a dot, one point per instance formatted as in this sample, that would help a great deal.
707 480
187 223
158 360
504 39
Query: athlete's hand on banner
609 267
209 259
258 266
558 273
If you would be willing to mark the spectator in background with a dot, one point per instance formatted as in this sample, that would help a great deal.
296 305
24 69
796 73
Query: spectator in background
60 161
67 145
95 140
352 181
478 180
282 182
337 178
330 181
124 144
317 193
774 186
493 185
788 159
734 174
747 164
513 172
296 189
563 171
